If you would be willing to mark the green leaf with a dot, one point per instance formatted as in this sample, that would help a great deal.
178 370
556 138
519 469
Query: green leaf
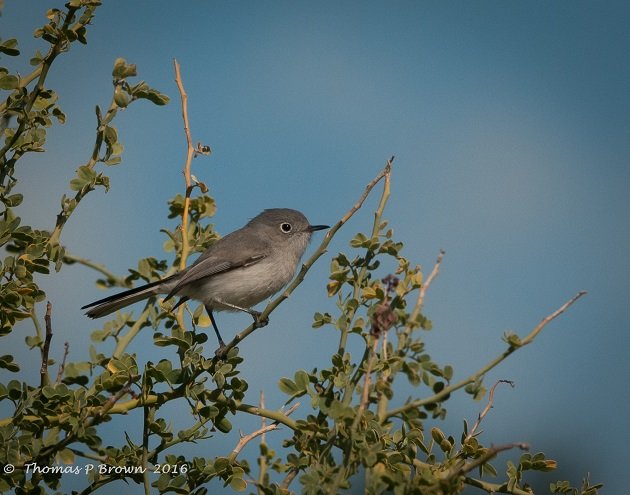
58 392
437 435
114 160
13 200
33 341
358 240
488 470
8 364
223 425
219 379
123 70
288 386
85 177
110 134
67 456
448 372
37 58
321 319
301 380
61 117
9 47
9 81
238 484
143 91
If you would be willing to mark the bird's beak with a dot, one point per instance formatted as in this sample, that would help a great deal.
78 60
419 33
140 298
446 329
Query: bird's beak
313 228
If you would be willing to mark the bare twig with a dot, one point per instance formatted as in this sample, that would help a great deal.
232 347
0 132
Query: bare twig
289 478
263 421
486 409
62 366
425 286
551 317
262 460
147 417
43 371
481 372
365 393
376 228
191 152
245 439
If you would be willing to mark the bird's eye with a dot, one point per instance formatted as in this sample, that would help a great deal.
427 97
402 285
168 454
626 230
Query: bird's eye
286 227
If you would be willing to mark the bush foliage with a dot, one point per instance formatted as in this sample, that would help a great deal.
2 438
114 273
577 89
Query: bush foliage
349 431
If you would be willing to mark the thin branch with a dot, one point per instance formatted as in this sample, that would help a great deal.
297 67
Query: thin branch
190 150
43 371
46 63
289 478
62 366
376 228
147 417
383 377
486 409
165 445
307 265
111 402
126 339
493 488
262 459
68 208
365 393
425 286
245 439
348 393
185 248
551 317
275 416
263 421
474 377
102 269
24 82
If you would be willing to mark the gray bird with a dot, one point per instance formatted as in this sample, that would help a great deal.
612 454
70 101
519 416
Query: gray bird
235 273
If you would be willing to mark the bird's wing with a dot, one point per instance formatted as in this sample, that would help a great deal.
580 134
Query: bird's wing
228 253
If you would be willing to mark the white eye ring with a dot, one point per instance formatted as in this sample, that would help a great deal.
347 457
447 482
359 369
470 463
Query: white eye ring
286 227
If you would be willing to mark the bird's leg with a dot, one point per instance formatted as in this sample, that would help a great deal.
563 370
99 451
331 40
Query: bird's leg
258 321
216 329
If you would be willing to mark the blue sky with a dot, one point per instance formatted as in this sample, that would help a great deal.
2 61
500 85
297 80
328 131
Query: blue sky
511 130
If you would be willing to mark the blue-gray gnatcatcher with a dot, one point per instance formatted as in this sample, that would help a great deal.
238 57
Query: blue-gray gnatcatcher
236 272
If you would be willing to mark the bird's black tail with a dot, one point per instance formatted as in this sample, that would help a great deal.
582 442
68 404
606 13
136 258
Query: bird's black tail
108 305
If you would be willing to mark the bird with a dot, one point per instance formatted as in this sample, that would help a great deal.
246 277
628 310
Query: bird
235 273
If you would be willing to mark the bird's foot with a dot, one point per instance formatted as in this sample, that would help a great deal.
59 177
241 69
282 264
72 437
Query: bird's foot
258 321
